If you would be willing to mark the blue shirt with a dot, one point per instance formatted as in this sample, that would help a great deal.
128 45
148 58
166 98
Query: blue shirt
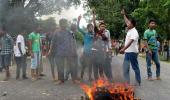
88 40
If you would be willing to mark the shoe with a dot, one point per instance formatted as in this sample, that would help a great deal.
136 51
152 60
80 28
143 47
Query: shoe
150 79
42 75
17 78
59 82
137 84
158 78
24 77
6 79
54 80
66 79
34 79
76 82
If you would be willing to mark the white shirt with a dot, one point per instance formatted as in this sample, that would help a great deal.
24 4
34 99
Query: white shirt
132 34
20 39
108 43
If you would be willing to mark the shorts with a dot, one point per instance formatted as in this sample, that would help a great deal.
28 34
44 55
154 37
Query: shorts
35 62
5 60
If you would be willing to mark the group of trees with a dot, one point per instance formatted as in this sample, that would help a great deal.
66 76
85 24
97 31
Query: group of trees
141 10
22 14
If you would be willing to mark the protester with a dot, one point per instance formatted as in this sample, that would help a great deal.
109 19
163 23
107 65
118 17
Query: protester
51 57
131 50
73 30
20 55
150 37
34 49
87 53
166 51
6 44
117 45
64 48
105 35
98 51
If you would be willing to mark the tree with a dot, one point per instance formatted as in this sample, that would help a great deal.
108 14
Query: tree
48 25
109 11
158 10
141 10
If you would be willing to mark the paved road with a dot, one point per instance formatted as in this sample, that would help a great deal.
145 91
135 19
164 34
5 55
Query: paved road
45 90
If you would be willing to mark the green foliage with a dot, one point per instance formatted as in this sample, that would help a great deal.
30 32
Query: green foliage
48 25
157 10
79 37
141 10
109 10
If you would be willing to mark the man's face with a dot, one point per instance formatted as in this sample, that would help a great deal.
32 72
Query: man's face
130 25
90 28
152 25
38 30
23 33
102 27
63 24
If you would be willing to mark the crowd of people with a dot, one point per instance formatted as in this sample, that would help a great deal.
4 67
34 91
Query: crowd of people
62 52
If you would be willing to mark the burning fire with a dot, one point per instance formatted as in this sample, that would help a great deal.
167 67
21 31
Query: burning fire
112 91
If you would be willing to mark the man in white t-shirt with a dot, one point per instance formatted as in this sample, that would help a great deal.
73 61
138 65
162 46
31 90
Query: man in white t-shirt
20 56
131 50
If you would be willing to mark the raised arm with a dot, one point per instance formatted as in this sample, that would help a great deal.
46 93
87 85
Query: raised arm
94 18
125 17
78 25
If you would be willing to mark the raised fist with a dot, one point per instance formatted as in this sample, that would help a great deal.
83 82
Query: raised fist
79 18
123 12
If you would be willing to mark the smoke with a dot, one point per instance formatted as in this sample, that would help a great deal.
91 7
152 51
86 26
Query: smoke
18 15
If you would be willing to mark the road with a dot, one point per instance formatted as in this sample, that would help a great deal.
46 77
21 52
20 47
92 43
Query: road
45 89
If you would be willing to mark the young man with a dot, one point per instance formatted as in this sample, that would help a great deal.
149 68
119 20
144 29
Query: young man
150 37
34 48
51 57
73 30
105 34
131 50
87 53
6 43
20 55
166 51
64 47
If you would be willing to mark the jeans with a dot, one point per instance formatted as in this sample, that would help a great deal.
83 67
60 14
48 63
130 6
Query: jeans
87 63
21 64
155 58
98 64
107 66
131 58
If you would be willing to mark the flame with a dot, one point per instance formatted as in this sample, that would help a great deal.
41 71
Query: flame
125 90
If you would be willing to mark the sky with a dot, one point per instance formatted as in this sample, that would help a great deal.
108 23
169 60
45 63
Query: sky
69 14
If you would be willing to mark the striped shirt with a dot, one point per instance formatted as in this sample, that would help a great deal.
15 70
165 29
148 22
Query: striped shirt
6 43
